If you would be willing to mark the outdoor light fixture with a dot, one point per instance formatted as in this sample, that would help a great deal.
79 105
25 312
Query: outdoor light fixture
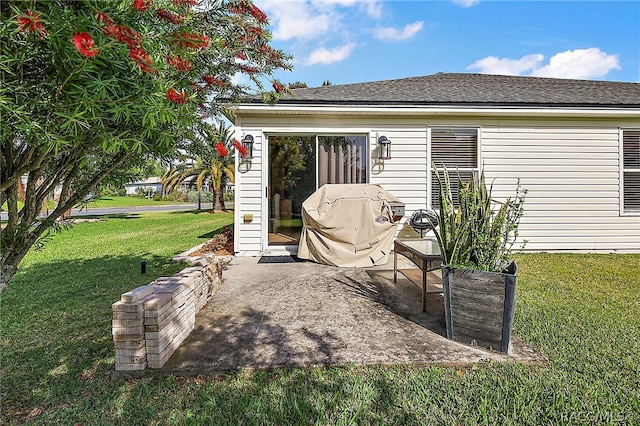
384 146
247 143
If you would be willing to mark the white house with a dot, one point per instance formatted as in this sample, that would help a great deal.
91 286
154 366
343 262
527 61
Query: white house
148 186
573 144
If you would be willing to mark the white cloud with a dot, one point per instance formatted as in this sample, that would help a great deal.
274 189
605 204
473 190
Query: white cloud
392 34
296 20
372 8
466 3
505 66
306 20
328 56
578 63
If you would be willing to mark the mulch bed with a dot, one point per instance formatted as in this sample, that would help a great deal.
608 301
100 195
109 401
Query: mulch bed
220 245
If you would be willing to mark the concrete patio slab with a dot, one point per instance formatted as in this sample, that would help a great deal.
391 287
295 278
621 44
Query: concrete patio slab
303 314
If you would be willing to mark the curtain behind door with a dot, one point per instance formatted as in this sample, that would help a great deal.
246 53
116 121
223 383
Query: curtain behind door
342 159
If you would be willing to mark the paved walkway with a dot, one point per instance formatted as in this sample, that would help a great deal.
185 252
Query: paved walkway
305 314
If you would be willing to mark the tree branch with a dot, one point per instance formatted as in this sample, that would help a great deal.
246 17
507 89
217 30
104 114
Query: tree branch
66 164
79 194
27 168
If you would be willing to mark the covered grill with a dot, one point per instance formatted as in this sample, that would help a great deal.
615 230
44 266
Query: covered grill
349 225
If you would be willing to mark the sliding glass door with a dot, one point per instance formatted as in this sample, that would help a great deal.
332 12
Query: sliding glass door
292 178
298 165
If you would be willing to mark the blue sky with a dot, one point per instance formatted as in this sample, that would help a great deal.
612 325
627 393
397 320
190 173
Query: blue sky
352 41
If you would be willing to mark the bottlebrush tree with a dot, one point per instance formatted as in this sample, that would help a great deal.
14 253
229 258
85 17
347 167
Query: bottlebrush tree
91 86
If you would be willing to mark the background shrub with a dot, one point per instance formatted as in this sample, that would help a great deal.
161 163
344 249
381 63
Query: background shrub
205 197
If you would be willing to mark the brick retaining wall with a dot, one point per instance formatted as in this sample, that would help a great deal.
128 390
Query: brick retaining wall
151 321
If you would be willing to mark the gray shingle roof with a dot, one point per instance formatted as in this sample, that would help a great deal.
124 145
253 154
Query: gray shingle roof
474 89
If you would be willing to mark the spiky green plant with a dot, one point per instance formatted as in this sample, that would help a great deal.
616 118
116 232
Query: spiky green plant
452 228
475 235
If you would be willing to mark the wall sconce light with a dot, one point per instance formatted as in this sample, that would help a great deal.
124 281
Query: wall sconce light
384 146
247 144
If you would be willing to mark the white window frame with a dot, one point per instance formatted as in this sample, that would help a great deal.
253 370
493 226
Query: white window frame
430 182
623 170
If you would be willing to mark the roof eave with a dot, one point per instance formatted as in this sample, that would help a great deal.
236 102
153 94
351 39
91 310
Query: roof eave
466 109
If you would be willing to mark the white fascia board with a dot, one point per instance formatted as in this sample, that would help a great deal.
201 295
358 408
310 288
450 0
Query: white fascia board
288 109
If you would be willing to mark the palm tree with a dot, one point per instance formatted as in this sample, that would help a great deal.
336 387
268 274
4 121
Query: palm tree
209 157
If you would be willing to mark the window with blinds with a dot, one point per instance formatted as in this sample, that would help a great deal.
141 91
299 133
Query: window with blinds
631 170
342 159
457 150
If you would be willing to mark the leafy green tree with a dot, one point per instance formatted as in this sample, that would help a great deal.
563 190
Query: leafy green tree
89 86
209 159
297 85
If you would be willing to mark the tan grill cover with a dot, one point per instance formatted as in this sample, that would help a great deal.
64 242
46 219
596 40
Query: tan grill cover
348 225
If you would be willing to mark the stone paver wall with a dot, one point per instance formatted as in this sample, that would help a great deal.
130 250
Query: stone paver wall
151 321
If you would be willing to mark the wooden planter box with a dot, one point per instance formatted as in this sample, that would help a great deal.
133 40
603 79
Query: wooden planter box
479 306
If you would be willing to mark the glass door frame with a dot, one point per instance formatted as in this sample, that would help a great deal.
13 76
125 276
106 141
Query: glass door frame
266 169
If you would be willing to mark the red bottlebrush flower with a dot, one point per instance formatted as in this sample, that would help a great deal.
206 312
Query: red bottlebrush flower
167 16
243 40
221 149
179 63
255 31
212 80
177 97
123 34
147 69
204 41
190 41
141 5
85 45
279 88
241 149
25 22
144 61
31 22
248 69
258 14
184 2
241 55
104 19
251 9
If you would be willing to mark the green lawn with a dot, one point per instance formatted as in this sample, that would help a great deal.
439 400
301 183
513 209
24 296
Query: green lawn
581 311
107 202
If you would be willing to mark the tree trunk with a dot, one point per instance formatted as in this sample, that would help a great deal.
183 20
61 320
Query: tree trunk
11 258
218 199
24 228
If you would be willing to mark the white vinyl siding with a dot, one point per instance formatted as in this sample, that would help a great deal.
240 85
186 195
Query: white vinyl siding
571 172
249 190
571 167
631 171
404 175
